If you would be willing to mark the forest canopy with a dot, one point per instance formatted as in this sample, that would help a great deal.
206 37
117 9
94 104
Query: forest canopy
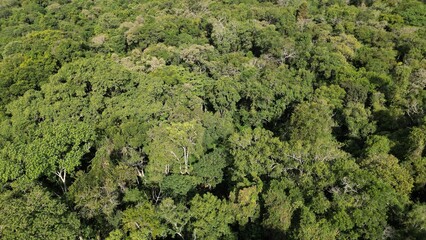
202 119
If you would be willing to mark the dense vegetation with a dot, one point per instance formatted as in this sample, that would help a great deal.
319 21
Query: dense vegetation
231 119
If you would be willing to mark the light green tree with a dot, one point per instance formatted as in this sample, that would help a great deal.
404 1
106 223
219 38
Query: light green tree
210 218
173 148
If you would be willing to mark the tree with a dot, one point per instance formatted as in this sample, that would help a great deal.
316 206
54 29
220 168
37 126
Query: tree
30 61
211 218
175 216
245 204
358 120
96 193
310 136
142 222
269 119
255 154
53 150
282 200
172 149
387 168
416 162
30 212
209 169
416 222
313 228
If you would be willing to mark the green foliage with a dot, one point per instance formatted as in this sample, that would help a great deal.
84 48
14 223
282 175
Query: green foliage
209 169
310 138
175 216
211 218
386 167
281 200
96 193
141 222
32 213
245 119
416 221
245 204
358 120
413 12
29 61
255 154
376 144
313 228
173 148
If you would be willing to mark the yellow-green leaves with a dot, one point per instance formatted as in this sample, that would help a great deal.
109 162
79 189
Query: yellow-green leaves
256 154
211 218
173 148
142 222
